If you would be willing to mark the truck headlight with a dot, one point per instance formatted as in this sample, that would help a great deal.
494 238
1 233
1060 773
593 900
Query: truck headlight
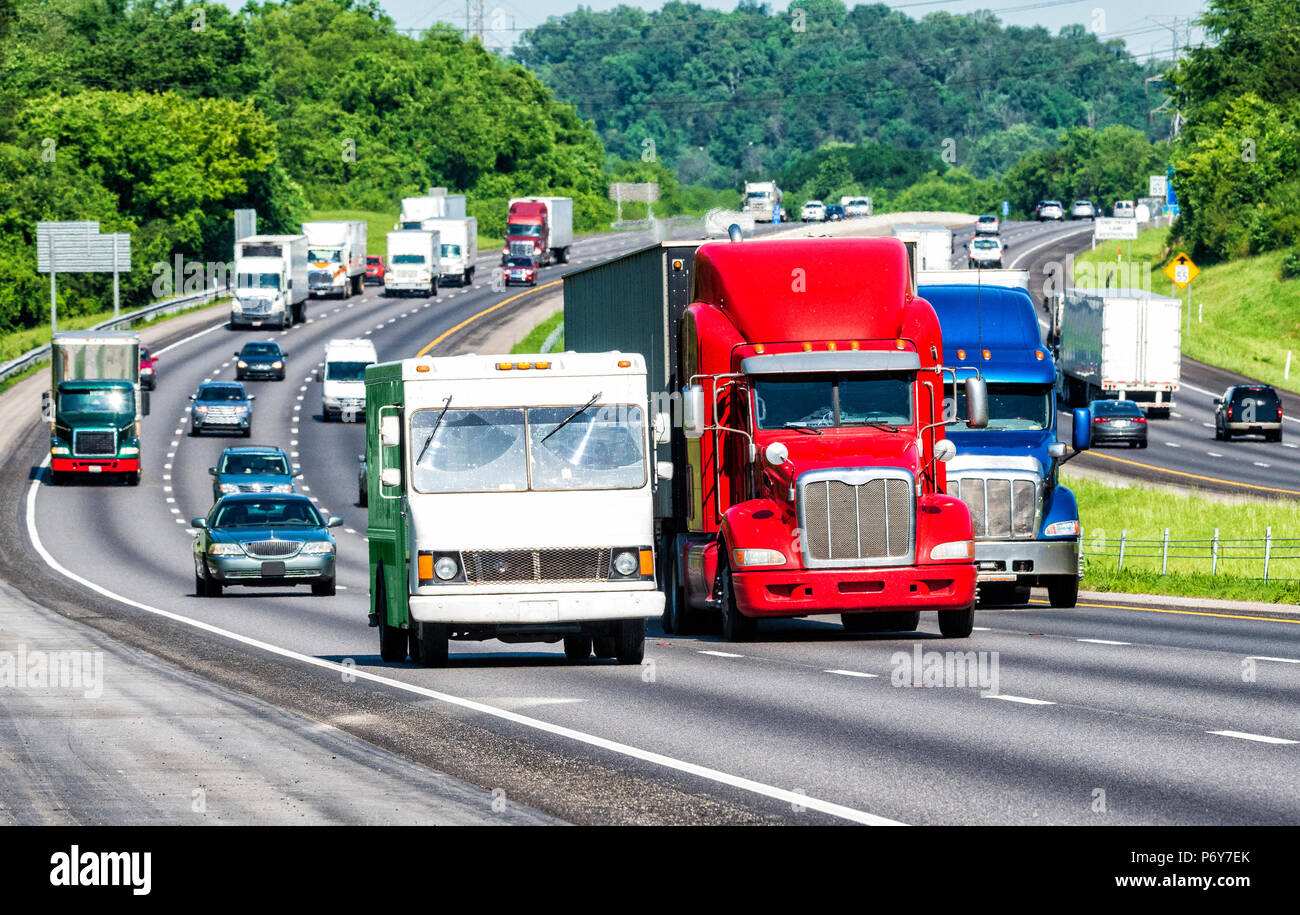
625 563
1062 529
225 549
277 364
59 449
445 568
743 559
318 548
130 449
954 549
237 308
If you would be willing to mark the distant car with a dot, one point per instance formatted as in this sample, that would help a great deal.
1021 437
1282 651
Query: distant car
857 207
1248 409
813 211
260 359
984 252
1083 209
1118 421
250 539
362 498
834 212
222 406
374 268
1123 209
256 468
148 369
1050 209
988 225
520 270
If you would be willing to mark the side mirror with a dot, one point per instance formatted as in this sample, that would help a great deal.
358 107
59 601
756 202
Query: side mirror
198 522
297 474
977 403
391 477
1056 450
1081 434
236 352
776 454
252 397
944 450
46 414
361 458
315 376
144 403
1218 401
334 521
194 397
664 469
693 411
212 471
390 433
663 429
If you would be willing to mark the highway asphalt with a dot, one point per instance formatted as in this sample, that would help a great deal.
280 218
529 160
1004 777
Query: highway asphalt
1154 709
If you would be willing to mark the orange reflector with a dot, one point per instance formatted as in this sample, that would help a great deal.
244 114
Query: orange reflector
426 566
523 365
807 347
624 363
505 366
541 365
1038 354
961 354
758 348
422 368
898 344
986 354
853 345
830 346
647 562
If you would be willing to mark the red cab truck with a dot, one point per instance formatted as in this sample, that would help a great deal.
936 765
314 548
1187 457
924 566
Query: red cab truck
540 228
801 420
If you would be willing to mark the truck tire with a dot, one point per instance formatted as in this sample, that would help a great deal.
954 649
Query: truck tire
905 620
132 478
629 644
577 647
957 624
58 478
863 622
604 646
679 618
1063 591
432 640
736 627
392 640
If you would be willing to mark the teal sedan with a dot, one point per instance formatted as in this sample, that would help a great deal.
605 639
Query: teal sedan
267 541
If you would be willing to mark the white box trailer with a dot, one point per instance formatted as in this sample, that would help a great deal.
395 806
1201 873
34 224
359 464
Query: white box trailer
270 281
416 210
459 247
336 255
413 263
1009 279
511 497
930 247
1123 343
539 227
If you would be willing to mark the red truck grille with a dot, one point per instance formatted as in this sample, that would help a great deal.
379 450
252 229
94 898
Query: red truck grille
848 523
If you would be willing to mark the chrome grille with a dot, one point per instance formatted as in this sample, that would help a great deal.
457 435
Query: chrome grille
94 442
320 277
504 566
222 415
271 549
847 523
256 306
1001 508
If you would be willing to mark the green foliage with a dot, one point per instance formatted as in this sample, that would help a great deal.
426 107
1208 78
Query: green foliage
532 343
1291 265
955 190
730 95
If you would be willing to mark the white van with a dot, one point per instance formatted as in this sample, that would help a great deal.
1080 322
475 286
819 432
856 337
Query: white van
343 383
1123 209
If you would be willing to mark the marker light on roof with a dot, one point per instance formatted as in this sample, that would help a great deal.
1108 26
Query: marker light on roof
625 363
422 368
961 354
986 354
1038 354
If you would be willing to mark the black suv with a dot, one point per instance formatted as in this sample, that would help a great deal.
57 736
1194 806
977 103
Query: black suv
1246 409
260 360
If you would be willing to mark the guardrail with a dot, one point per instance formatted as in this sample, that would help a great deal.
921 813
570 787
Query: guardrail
167 306
1244 557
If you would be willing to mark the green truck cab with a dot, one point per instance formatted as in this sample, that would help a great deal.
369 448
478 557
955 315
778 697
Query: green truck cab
94 406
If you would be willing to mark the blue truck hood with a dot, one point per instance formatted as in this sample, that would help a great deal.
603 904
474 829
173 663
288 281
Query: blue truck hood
997 443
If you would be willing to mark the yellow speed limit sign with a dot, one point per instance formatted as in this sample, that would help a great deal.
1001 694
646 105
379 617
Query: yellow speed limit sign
1181 270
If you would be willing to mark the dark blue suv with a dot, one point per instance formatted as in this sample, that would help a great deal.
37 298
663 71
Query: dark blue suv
255 468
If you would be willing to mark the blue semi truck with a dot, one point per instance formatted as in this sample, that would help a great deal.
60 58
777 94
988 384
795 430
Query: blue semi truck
1026 523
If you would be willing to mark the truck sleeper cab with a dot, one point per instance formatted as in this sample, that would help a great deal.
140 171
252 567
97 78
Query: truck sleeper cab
511 498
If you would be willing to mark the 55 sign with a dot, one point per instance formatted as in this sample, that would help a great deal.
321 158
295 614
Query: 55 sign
1181 271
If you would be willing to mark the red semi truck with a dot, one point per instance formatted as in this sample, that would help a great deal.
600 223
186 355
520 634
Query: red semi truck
808 465
540 228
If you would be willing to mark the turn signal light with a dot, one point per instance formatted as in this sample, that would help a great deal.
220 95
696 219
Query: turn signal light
505 366
1038 354
625 363
853 345
647 562
807 347
961 354
426 566
830 346
898 344
987 354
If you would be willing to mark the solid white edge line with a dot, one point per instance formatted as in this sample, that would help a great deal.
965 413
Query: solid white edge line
1103 642
850 673
1258 738
1260 657
722 654
1021 699
793 798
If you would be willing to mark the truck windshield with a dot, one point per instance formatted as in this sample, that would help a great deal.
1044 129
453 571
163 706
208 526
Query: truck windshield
408 258
1018 407
104 400
811 401
259 281
325 254
480 450
345 371
451 250
519 230
597 449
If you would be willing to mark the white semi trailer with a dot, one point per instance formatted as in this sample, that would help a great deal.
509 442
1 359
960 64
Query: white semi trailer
336 257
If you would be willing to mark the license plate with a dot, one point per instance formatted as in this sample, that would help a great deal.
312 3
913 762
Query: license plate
257 324
273 569
995 576
539 611
95 468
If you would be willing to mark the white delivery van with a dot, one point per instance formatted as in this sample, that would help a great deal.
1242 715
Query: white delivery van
413 263
458 241
343 382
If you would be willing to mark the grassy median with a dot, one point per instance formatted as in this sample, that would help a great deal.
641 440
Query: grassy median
1138 515
1249 315
537 336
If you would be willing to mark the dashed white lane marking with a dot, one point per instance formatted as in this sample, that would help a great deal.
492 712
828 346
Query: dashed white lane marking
167 488
303 388
850 673
1261 657
1290 445
175 442
1103 642
182 521
306 489
1208 425
1213 454
1258 738
981 629
1175 415
1023 700
1260 464
350 530
1173 444
722 654
293 442
170 500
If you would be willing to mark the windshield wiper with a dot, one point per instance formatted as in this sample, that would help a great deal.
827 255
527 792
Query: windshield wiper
434 431
574 415
877 424
800 427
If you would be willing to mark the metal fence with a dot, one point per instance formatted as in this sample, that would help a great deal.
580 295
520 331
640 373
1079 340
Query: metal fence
42 352
1268 558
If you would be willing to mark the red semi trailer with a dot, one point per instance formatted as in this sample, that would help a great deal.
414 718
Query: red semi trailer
808 467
